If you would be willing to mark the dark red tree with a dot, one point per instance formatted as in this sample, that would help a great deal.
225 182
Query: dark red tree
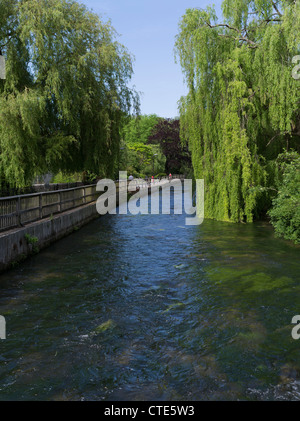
167 134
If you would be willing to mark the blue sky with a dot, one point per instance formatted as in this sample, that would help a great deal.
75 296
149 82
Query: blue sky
148 30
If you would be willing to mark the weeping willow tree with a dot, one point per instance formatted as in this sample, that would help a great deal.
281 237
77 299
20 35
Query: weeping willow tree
242 109
66 91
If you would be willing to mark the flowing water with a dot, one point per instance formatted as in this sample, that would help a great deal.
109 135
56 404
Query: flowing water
145 308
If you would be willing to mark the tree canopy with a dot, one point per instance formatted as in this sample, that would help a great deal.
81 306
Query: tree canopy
285 213
242 108
137 156
66 91
166 133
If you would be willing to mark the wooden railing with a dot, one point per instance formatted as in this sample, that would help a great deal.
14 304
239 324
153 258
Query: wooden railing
17 211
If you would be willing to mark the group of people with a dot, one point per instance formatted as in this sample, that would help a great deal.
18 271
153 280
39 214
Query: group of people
130 178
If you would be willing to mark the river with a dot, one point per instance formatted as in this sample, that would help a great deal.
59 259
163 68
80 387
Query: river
146 308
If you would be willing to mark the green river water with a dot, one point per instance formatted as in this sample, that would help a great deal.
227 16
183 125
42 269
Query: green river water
145 308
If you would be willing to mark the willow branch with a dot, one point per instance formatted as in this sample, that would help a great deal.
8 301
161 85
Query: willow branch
276 8
10 36
274 137
222 24
244 39
252 44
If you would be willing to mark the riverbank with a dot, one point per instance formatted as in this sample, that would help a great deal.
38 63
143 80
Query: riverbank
18 244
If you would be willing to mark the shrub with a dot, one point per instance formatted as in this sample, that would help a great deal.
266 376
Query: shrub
285 213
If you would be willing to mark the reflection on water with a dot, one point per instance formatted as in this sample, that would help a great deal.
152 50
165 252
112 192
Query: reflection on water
144 308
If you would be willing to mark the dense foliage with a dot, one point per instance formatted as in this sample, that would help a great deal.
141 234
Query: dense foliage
166 133
242 109
285 213
138 157
151 145
66 92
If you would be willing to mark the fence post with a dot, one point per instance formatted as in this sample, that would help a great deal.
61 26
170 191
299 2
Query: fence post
41 205
84 198
18 206
60 204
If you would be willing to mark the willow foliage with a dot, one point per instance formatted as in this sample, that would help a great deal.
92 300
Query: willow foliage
285 213
242 108
66 91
